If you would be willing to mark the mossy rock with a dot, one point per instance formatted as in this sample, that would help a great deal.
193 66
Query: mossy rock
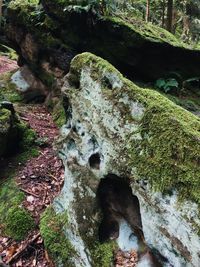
9 90
166 153
15 220
52 230
9 133
15 136
140 50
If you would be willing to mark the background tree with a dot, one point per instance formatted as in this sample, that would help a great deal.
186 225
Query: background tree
147 10
169 22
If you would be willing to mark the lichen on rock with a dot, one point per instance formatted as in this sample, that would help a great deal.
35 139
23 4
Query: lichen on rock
131 132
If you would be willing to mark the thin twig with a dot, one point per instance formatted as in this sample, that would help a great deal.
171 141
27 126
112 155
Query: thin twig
23 248
52 176
30 193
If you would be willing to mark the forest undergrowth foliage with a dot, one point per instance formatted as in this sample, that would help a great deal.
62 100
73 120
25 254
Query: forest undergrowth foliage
182 18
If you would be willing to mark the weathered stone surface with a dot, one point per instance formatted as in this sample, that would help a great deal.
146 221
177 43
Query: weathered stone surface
30 86
136 133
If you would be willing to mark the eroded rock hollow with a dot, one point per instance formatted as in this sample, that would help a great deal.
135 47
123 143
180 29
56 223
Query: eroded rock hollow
113 126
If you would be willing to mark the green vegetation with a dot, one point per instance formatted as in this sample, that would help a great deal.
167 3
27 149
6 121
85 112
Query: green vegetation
5 115
9 52
102 254
5 125
16 222
8 89
59 115
146 30
28 137
14 4
52 230
25 152
167 84
189 103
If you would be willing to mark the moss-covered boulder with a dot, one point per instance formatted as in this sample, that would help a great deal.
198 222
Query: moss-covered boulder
9 131
132 132
47 36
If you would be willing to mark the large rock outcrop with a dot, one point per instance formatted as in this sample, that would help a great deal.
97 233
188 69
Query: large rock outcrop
48 36
113 126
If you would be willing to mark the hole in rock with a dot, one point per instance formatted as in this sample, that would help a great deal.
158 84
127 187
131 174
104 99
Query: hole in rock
71 145
107 83
122 219
95 161
74 129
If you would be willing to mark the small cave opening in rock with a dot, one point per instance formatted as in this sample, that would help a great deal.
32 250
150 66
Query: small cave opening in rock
121 219
95 161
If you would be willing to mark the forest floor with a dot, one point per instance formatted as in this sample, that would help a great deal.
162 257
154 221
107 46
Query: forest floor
40 178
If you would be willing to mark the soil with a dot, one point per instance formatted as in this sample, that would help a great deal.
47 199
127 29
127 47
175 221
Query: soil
40 178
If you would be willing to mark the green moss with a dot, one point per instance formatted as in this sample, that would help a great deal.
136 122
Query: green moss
5 125
102 254
59 115
28 136
22 3
5 118
89 59
55 241
146 30
189 103
167 154
33 152
8 89
15 220
18 223
46 78
9 52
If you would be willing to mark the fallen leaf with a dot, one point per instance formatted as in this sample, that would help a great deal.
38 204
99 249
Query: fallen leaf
30 199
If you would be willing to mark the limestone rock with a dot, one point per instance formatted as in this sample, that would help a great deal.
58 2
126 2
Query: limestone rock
29 85
139 134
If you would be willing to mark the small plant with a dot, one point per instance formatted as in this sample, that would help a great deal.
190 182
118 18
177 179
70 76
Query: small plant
167 85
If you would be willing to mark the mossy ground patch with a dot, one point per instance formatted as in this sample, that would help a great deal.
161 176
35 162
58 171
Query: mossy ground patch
57 244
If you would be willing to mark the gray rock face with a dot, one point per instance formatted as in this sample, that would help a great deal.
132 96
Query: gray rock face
103 120
30 86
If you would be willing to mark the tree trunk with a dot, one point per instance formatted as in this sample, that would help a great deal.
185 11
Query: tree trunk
1 13
147 10
1 4
163 14
169 25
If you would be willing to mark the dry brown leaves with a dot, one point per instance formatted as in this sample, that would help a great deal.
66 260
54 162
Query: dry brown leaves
126 258
41 179
7 64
